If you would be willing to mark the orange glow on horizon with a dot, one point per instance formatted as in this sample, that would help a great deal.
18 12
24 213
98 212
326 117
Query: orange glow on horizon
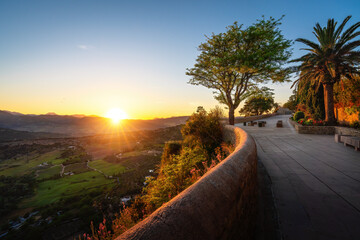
116 115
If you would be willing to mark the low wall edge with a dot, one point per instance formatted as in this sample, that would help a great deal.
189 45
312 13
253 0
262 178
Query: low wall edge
220 205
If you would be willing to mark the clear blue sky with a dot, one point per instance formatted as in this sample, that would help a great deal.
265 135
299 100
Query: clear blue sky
84 56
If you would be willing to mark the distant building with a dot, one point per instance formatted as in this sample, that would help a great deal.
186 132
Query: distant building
284 111
125 199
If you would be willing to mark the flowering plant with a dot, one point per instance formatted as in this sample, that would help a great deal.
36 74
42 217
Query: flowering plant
311 122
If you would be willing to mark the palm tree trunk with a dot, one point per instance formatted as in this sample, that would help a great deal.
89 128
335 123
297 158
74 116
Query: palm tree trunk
329 103
231 115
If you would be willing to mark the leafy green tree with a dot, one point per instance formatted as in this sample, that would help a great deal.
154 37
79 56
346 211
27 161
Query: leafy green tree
313 98
332 58
291 102
231 62
347 95
260 102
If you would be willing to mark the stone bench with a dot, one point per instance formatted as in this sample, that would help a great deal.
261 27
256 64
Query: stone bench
251 123
262 123
340 138
352 141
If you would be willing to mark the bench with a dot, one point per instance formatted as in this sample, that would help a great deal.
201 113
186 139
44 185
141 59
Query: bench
352 141
340 138
279 124
261 123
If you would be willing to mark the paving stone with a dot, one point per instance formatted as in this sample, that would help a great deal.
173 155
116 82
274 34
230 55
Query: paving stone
315 182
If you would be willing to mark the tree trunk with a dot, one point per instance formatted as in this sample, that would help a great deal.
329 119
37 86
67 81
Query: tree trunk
231 115
329 103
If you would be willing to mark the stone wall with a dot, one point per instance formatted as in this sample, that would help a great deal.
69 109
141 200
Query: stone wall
320 130
252 118
220 205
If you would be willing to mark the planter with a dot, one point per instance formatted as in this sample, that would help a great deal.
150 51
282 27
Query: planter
320 130
324 130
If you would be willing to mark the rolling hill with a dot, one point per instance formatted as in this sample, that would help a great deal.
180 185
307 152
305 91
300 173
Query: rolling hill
79 125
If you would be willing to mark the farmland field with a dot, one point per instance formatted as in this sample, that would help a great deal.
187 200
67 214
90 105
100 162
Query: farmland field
52 190
59 180
76 168
49 172
107 168
27 164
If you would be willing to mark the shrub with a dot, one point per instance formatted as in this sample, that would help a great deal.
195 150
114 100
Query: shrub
298 115
310 122
170 148
355 124
203 130
174 177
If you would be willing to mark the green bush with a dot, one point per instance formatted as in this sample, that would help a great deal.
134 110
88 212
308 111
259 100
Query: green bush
171 148
203 130
355 124
298 115
174 177
202 135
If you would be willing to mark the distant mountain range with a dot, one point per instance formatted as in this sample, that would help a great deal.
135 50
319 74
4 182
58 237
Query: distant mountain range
7 135
79 125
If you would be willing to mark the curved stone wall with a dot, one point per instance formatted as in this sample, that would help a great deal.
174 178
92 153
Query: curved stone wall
253 118
220 205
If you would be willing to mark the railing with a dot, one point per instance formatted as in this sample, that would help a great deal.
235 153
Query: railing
220 205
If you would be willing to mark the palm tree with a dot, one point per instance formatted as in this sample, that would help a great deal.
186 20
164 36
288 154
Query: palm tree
333 58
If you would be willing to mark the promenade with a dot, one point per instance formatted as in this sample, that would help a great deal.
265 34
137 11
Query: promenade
315 182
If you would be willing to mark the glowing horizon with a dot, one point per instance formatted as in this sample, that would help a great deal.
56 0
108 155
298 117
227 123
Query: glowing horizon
99 114
116 115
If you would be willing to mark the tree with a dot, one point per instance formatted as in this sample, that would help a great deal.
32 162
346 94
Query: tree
200 109
259 102
331 59
292 102
312 97
231 62
347 96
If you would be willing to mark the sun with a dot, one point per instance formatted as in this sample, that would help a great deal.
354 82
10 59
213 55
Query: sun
116 114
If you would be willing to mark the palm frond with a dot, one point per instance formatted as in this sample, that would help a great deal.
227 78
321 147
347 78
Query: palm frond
341 27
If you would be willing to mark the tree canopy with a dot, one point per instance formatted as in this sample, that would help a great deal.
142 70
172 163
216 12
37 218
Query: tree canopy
259 102
232 62
292 102
330 60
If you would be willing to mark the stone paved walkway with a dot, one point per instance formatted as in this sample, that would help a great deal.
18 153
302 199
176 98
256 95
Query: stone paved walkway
315 182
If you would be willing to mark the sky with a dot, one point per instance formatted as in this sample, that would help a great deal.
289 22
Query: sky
86 56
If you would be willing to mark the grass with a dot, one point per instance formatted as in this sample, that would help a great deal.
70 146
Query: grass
132 154
53 190
106 167
28 164
49 172
76 168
